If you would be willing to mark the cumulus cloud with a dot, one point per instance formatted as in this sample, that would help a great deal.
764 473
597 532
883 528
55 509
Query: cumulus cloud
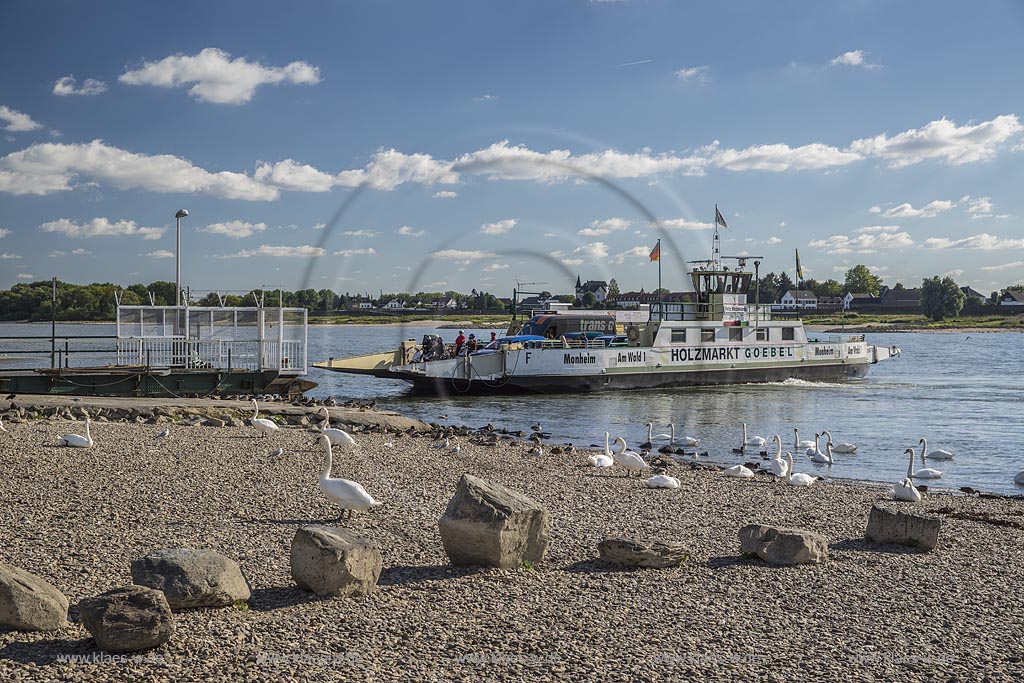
359 233
878 228
682 224
26 276
446 194
773 240
16 122
499 227
291 175
6 256
781 157
304 250
67 85
604 227
57 254
80 252
485 98
1005 266
868 242
409 232
495 267
979 207
853 58
635 252
234 229
942 140
355 252
390 168
101 227
215 77
982 241
460 256
4 232
695 74
161 253
906 210
592 252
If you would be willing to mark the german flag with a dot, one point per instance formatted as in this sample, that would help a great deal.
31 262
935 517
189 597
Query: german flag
656 252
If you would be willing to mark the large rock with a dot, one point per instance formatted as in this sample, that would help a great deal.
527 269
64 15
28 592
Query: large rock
192 578
332 561
30 603
886 525
654 553
490 525
128 619
783 546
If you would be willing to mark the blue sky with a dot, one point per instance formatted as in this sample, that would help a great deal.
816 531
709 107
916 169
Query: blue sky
405 146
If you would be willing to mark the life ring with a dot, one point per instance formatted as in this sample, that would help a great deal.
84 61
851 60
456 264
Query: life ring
632 333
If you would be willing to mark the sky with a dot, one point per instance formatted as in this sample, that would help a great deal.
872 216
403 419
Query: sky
397 146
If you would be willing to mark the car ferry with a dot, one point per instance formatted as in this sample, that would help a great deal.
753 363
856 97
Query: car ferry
716 338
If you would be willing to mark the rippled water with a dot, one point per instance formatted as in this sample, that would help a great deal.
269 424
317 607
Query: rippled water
961 391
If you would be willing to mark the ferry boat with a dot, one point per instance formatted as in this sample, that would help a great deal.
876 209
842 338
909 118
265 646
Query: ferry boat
716 338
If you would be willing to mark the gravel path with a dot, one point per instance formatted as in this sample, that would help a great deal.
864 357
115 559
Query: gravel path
79 516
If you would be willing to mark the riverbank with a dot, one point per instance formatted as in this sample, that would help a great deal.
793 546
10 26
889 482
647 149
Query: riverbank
79 517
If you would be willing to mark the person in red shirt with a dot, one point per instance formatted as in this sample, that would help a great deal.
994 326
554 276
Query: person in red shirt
459 341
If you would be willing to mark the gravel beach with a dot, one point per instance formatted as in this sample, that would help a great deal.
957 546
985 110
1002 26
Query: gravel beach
78 517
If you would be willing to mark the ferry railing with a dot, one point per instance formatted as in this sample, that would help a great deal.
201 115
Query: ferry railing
198 354
55 350
676 310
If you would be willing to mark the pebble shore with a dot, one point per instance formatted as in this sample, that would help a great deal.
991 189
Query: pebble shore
78 517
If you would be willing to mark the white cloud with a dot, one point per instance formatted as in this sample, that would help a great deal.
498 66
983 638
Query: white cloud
682 224
26 276
16 122
288 252
780 157
319 226
161 253
956 272
67 85
1005 266
291 175
942 140
409 232
982 241
5 256
572 261
446 194
485 98
695 74
853 58
355 252
494 267
4 232
101 227
57 254
906 210
461 257
550 234
878 228
215 77
359 233
635 252
875 209
979 207
604 227
390 168
80 252
593 251
773 240
865 243
499 227
435 285
234 229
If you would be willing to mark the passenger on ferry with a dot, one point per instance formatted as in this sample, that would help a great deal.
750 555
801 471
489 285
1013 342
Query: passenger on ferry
472 346
459 341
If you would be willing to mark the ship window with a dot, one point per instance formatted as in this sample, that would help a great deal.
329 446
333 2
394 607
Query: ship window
678 336
707 335
788 334
735 334
761 334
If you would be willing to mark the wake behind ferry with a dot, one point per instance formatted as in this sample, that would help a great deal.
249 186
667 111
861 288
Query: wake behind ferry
716 338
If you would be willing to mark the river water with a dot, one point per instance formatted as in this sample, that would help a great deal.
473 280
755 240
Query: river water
961 391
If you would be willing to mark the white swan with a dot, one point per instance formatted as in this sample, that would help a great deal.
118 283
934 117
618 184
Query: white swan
661 437
264 425
754 440
777 465
842 446
349 495
662 481
798 479
628 460
925 472
905 490
934 455
602 459
824 458
76 440
338 437
740 471
797 443
681 440
815 450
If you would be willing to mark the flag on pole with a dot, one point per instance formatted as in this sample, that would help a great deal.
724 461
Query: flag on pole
799 268
718 218
656 252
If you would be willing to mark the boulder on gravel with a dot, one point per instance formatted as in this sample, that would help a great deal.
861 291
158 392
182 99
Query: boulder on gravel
777 545
886 525
29 602
128 619
654 553
192 578
332 561
490 525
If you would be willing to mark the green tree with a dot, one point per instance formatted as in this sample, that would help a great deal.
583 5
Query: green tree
898 286
941 299
589 299
785 284
861 280
613 287
829 287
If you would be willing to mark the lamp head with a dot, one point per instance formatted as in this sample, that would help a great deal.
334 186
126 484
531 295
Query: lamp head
181 213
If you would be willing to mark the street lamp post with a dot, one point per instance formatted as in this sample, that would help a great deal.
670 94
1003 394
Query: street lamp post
177 259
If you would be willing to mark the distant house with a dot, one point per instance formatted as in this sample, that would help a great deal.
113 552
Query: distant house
908 299
393 305
448 303
859 300
971 293
642 298
364 305
1012 298
830 303
799 298
599 288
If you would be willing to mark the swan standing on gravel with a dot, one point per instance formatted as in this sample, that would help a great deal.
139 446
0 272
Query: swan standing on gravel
905 490
798 479
824 458
924 472
76 440
842 446
934 455
754 440
350 495
777 465
264 425
338 437
798 444
662 481
628 460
